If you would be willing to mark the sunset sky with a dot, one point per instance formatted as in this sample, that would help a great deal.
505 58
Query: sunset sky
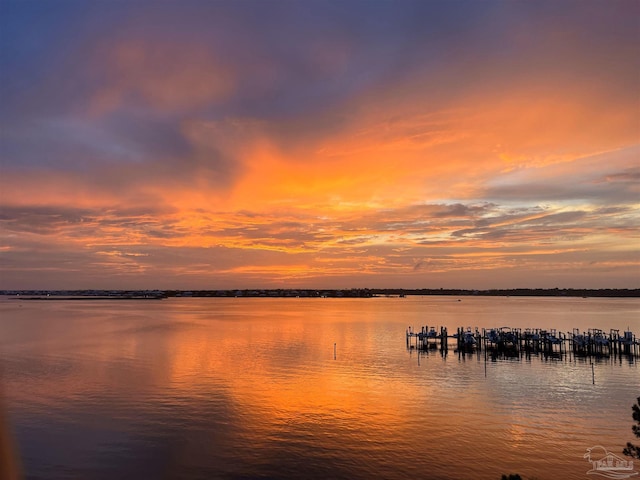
322 144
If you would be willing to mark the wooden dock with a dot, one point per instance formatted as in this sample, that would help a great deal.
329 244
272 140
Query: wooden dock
593 342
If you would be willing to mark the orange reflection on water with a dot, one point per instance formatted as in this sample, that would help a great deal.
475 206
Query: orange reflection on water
259 376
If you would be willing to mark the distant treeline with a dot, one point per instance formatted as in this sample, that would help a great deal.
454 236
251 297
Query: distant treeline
339 293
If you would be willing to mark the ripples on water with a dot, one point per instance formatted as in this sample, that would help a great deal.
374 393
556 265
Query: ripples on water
249 388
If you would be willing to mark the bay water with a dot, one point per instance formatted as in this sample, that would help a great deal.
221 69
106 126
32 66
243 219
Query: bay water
311 388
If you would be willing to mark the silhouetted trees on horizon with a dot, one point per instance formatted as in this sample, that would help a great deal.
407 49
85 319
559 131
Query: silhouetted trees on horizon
345 292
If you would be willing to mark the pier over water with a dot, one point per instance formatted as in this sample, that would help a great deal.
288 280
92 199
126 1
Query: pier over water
516 341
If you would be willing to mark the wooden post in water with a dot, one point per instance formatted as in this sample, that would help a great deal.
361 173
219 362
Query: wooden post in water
485 363
334 351
572 345
443 338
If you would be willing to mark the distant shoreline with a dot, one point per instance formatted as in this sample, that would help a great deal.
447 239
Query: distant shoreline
80 297
310 293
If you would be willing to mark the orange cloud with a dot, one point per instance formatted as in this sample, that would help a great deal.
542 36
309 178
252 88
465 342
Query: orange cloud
291 167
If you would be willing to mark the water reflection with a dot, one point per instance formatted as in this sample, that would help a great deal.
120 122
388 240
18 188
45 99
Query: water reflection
241 388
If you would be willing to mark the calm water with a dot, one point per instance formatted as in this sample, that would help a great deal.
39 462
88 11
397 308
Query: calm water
250 388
